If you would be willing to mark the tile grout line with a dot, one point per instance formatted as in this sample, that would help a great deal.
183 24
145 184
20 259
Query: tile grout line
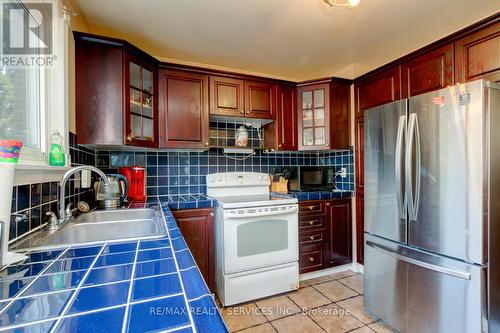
129 296
75 292
179 274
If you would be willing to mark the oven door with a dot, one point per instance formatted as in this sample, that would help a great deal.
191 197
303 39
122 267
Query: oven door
260 237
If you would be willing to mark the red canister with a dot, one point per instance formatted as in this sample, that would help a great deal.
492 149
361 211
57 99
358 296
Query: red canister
136 176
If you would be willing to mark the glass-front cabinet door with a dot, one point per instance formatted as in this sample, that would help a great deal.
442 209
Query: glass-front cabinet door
142 114
314 116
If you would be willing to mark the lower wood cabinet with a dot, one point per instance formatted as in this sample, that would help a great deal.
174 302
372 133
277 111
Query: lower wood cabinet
197 227
324 234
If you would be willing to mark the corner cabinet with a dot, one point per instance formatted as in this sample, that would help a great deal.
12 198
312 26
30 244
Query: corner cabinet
116 93
197 228
183 109
323 115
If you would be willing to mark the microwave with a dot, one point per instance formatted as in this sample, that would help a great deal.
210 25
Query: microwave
316 178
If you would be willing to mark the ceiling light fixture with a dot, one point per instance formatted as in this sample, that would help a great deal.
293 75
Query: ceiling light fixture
342 3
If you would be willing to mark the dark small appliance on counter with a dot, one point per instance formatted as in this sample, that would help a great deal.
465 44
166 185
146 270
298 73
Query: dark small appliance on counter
316 178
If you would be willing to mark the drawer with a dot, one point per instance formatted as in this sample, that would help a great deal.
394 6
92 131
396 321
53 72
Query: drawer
316 206
311 259
307 222
312 237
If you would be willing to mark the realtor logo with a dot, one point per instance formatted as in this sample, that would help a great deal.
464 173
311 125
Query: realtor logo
27 28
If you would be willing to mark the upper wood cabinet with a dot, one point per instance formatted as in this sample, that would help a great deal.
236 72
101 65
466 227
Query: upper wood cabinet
478 55
227 96
323 115
116 93
260 100
431 71
183 109
287 118
314 116
379 89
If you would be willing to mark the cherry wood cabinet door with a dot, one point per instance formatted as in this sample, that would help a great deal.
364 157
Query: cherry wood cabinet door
432 71
287 118
360 225
98 87
359 132
339 244
197 228
260 100
314 116
379 89
227 96
478 55
183 109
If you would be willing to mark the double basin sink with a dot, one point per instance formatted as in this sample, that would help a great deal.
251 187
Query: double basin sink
97 227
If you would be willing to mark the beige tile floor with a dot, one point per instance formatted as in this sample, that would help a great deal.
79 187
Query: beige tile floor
332 304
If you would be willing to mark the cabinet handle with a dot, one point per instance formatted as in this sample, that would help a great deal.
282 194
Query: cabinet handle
212 214
279 146
328 204
311 259
311 238
248 112
242 112
311 222
130 138
206 143
311 207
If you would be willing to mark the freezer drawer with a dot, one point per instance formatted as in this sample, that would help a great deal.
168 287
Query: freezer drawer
430 293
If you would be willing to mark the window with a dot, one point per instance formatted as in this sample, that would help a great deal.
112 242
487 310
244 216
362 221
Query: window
33 98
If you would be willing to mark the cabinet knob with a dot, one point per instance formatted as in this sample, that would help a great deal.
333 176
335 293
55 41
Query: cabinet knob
311 259
248 112
212 214
311 238
206 143
279 146
242 112
328 204
130 138
311 222
311 207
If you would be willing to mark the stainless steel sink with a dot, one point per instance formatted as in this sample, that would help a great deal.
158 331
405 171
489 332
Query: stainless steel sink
99 226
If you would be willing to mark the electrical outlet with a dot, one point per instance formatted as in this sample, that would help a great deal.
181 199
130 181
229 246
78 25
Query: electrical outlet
85 179
343 172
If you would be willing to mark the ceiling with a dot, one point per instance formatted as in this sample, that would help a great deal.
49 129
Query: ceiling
289 39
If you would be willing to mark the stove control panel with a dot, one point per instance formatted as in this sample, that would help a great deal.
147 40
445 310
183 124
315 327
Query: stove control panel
229 179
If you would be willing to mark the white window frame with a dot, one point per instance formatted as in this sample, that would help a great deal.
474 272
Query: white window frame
54 99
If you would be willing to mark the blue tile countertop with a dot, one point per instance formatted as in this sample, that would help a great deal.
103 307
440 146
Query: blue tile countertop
303 196
187 201
142 286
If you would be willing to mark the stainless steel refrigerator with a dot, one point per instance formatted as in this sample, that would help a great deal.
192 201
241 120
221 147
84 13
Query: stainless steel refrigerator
432 213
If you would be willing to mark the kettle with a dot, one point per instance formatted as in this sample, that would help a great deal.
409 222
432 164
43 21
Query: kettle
113 195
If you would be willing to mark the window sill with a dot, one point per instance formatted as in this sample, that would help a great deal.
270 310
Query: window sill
31 173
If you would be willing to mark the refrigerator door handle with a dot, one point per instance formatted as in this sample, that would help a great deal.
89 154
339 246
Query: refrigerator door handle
413 194
400 196
426 265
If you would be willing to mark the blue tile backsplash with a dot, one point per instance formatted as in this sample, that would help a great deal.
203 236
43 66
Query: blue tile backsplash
174 173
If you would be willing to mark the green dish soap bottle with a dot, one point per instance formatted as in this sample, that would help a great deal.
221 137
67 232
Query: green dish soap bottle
56 156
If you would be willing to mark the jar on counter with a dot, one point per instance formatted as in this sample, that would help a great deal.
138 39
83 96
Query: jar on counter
241 137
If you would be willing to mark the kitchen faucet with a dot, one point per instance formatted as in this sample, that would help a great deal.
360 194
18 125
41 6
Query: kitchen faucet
65 215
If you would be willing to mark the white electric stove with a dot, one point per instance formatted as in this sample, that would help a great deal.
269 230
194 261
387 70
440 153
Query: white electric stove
256 238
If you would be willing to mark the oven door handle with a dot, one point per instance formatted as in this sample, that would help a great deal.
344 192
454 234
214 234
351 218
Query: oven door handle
248 213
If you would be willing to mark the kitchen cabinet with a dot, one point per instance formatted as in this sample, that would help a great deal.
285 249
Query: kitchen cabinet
359 165
260 100
197 228
360 225
324 114
183 109
116 93
324 234
339 242
282 133
314 120
432 71
378 89
227 96
478 55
